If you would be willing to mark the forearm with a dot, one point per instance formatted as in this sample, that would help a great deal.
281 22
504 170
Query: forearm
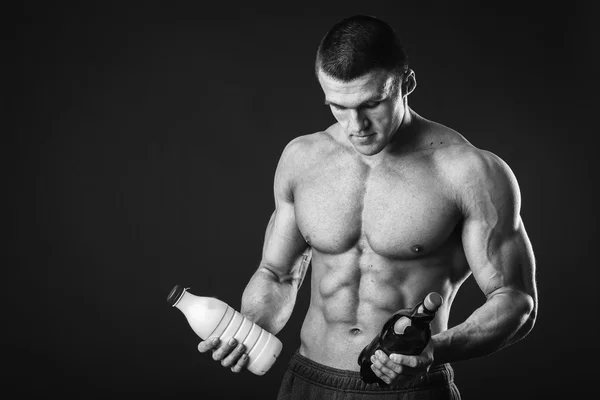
268 300
506 317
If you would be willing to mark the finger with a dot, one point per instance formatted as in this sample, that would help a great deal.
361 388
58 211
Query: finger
408 361
209 344
409 365
234 356
224 350
382 372
241 364
389 363
379 374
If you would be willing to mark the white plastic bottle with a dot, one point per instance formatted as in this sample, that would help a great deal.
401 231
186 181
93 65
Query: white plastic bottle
210 317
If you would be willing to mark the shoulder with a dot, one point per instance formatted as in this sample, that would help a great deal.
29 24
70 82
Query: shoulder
470 173
469 165
478 177
456 158
303 151
300 154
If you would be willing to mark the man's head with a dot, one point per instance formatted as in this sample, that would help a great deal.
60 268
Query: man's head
363 70
360 44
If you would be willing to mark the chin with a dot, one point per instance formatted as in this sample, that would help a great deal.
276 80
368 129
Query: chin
368 151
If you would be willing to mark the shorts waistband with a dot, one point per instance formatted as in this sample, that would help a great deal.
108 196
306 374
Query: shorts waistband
439 375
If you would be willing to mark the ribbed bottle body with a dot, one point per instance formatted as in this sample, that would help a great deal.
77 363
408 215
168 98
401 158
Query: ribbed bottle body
210 317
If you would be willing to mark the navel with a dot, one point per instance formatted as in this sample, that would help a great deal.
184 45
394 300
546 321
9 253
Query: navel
355 331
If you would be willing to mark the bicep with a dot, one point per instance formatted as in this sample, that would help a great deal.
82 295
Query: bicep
500 259
284 246
496 244
285 251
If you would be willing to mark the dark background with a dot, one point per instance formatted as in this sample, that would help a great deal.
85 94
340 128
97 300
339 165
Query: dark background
140 154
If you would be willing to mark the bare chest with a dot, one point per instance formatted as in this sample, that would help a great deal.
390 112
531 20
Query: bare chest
398 213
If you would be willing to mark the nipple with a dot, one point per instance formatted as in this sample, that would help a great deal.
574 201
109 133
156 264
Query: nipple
417 248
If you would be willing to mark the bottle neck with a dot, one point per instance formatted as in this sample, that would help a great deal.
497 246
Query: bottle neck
187 301
424 310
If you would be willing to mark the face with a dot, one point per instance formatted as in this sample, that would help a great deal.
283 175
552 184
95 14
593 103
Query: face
367 108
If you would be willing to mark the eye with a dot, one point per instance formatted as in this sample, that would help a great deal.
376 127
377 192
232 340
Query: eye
372 104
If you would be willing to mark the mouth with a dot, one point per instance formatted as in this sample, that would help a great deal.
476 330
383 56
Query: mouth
363 138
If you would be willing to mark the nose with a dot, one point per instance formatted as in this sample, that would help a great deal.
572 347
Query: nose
356 122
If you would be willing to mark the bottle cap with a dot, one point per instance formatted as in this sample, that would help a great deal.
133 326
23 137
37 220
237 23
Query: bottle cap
433 301
175 295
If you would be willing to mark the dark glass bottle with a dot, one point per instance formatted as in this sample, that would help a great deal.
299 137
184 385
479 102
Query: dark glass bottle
406 332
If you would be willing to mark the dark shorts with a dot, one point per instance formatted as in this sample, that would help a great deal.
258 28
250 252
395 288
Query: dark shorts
308 380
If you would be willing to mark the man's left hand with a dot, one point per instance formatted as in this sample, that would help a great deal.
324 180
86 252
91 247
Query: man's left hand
398 368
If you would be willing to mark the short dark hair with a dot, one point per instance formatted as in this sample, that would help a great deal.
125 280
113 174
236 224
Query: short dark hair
357 45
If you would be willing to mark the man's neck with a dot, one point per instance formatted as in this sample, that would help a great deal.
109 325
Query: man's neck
398 144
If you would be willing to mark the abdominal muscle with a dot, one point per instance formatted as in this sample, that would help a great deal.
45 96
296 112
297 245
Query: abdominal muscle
355 293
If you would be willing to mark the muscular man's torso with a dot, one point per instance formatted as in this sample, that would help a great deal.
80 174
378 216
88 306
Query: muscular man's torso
382 236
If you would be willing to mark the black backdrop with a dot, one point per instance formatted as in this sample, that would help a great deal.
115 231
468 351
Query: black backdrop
142 150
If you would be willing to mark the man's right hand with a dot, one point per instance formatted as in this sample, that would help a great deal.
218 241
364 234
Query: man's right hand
230 354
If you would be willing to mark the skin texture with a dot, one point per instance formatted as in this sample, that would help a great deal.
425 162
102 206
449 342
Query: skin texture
387 207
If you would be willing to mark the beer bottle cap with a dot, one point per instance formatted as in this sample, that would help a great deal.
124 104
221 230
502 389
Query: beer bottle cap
433 301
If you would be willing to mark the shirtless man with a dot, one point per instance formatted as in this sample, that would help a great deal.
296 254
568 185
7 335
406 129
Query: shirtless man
388 207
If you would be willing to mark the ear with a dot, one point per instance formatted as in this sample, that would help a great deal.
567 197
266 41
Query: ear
409 83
